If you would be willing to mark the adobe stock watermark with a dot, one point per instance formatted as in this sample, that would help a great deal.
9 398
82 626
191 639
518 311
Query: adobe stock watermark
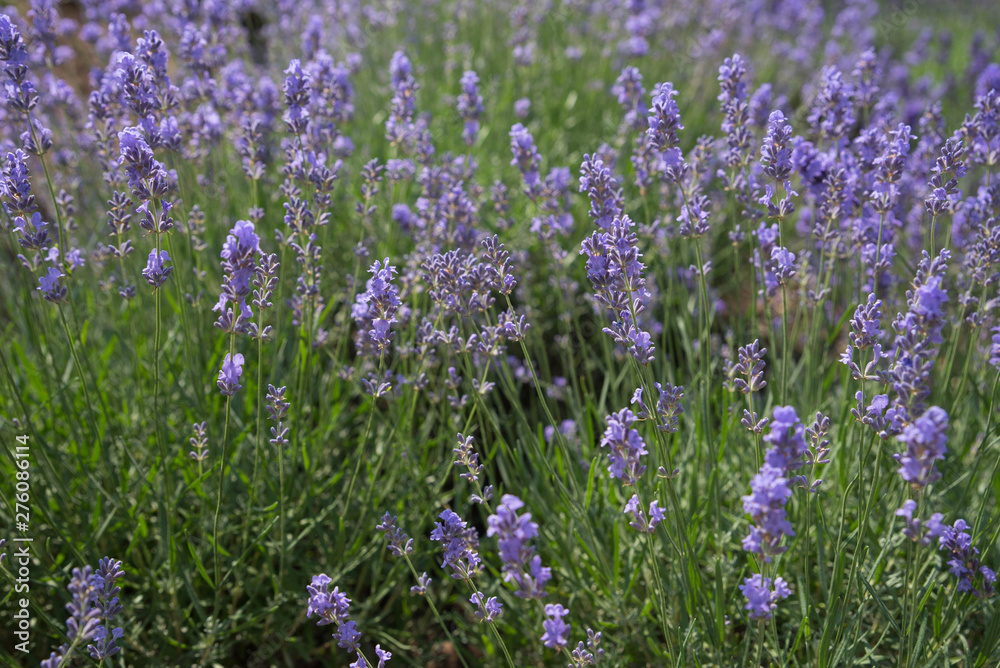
20 560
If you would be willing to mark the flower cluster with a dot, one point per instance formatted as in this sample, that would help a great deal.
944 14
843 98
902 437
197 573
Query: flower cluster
925 439
94 607
973 576
520 563
375 309
614 269
763 595
398 542
461 545
668 406
625 447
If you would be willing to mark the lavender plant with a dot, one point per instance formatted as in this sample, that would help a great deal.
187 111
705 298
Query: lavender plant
726 395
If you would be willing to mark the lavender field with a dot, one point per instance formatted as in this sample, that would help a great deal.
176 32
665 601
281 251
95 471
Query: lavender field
462 333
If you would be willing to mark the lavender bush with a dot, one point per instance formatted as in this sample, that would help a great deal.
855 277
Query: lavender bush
500 333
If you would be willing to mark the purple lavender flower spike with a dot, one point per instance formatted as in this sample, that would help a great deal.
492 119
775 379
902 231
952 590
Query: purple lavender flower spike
920 532
615 270
375 309
629 92
973 576
383 656
639 521
526 159
521 565
470 106
156 271
85 613
625 447
766 505
50 287
487 609
522 107
556 629
333 608
776 149
461 545
748 373
230 374
199 442
105 579
419 589
995 348
398 542
606 201
762 598
925 440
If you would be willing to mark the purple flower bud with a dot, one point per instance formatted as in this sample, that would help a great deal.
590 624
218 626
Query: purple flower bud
230 374
762 599
156 271
50 287
925 440
556 629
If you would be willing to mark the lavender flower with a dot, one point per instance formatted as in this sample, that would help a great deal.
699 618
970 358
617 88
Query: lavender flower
788 445
639 522
668 406
296 89
239 267
776 149
399 542
487 609
522 107
399 127
21 93
556 629
470 106
606 201
521 565
468 458
890 166
230 374
526 159
277 411
84 613
105 579
156 271
915 530
50 287
749 367
419 589
733 98
376 307
664 118
332 607
199 442
925 441
762 597
615 271
500 268
629 92
832 113
973 577
918 333
766 505
625 446
995 348
461 545
147 177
